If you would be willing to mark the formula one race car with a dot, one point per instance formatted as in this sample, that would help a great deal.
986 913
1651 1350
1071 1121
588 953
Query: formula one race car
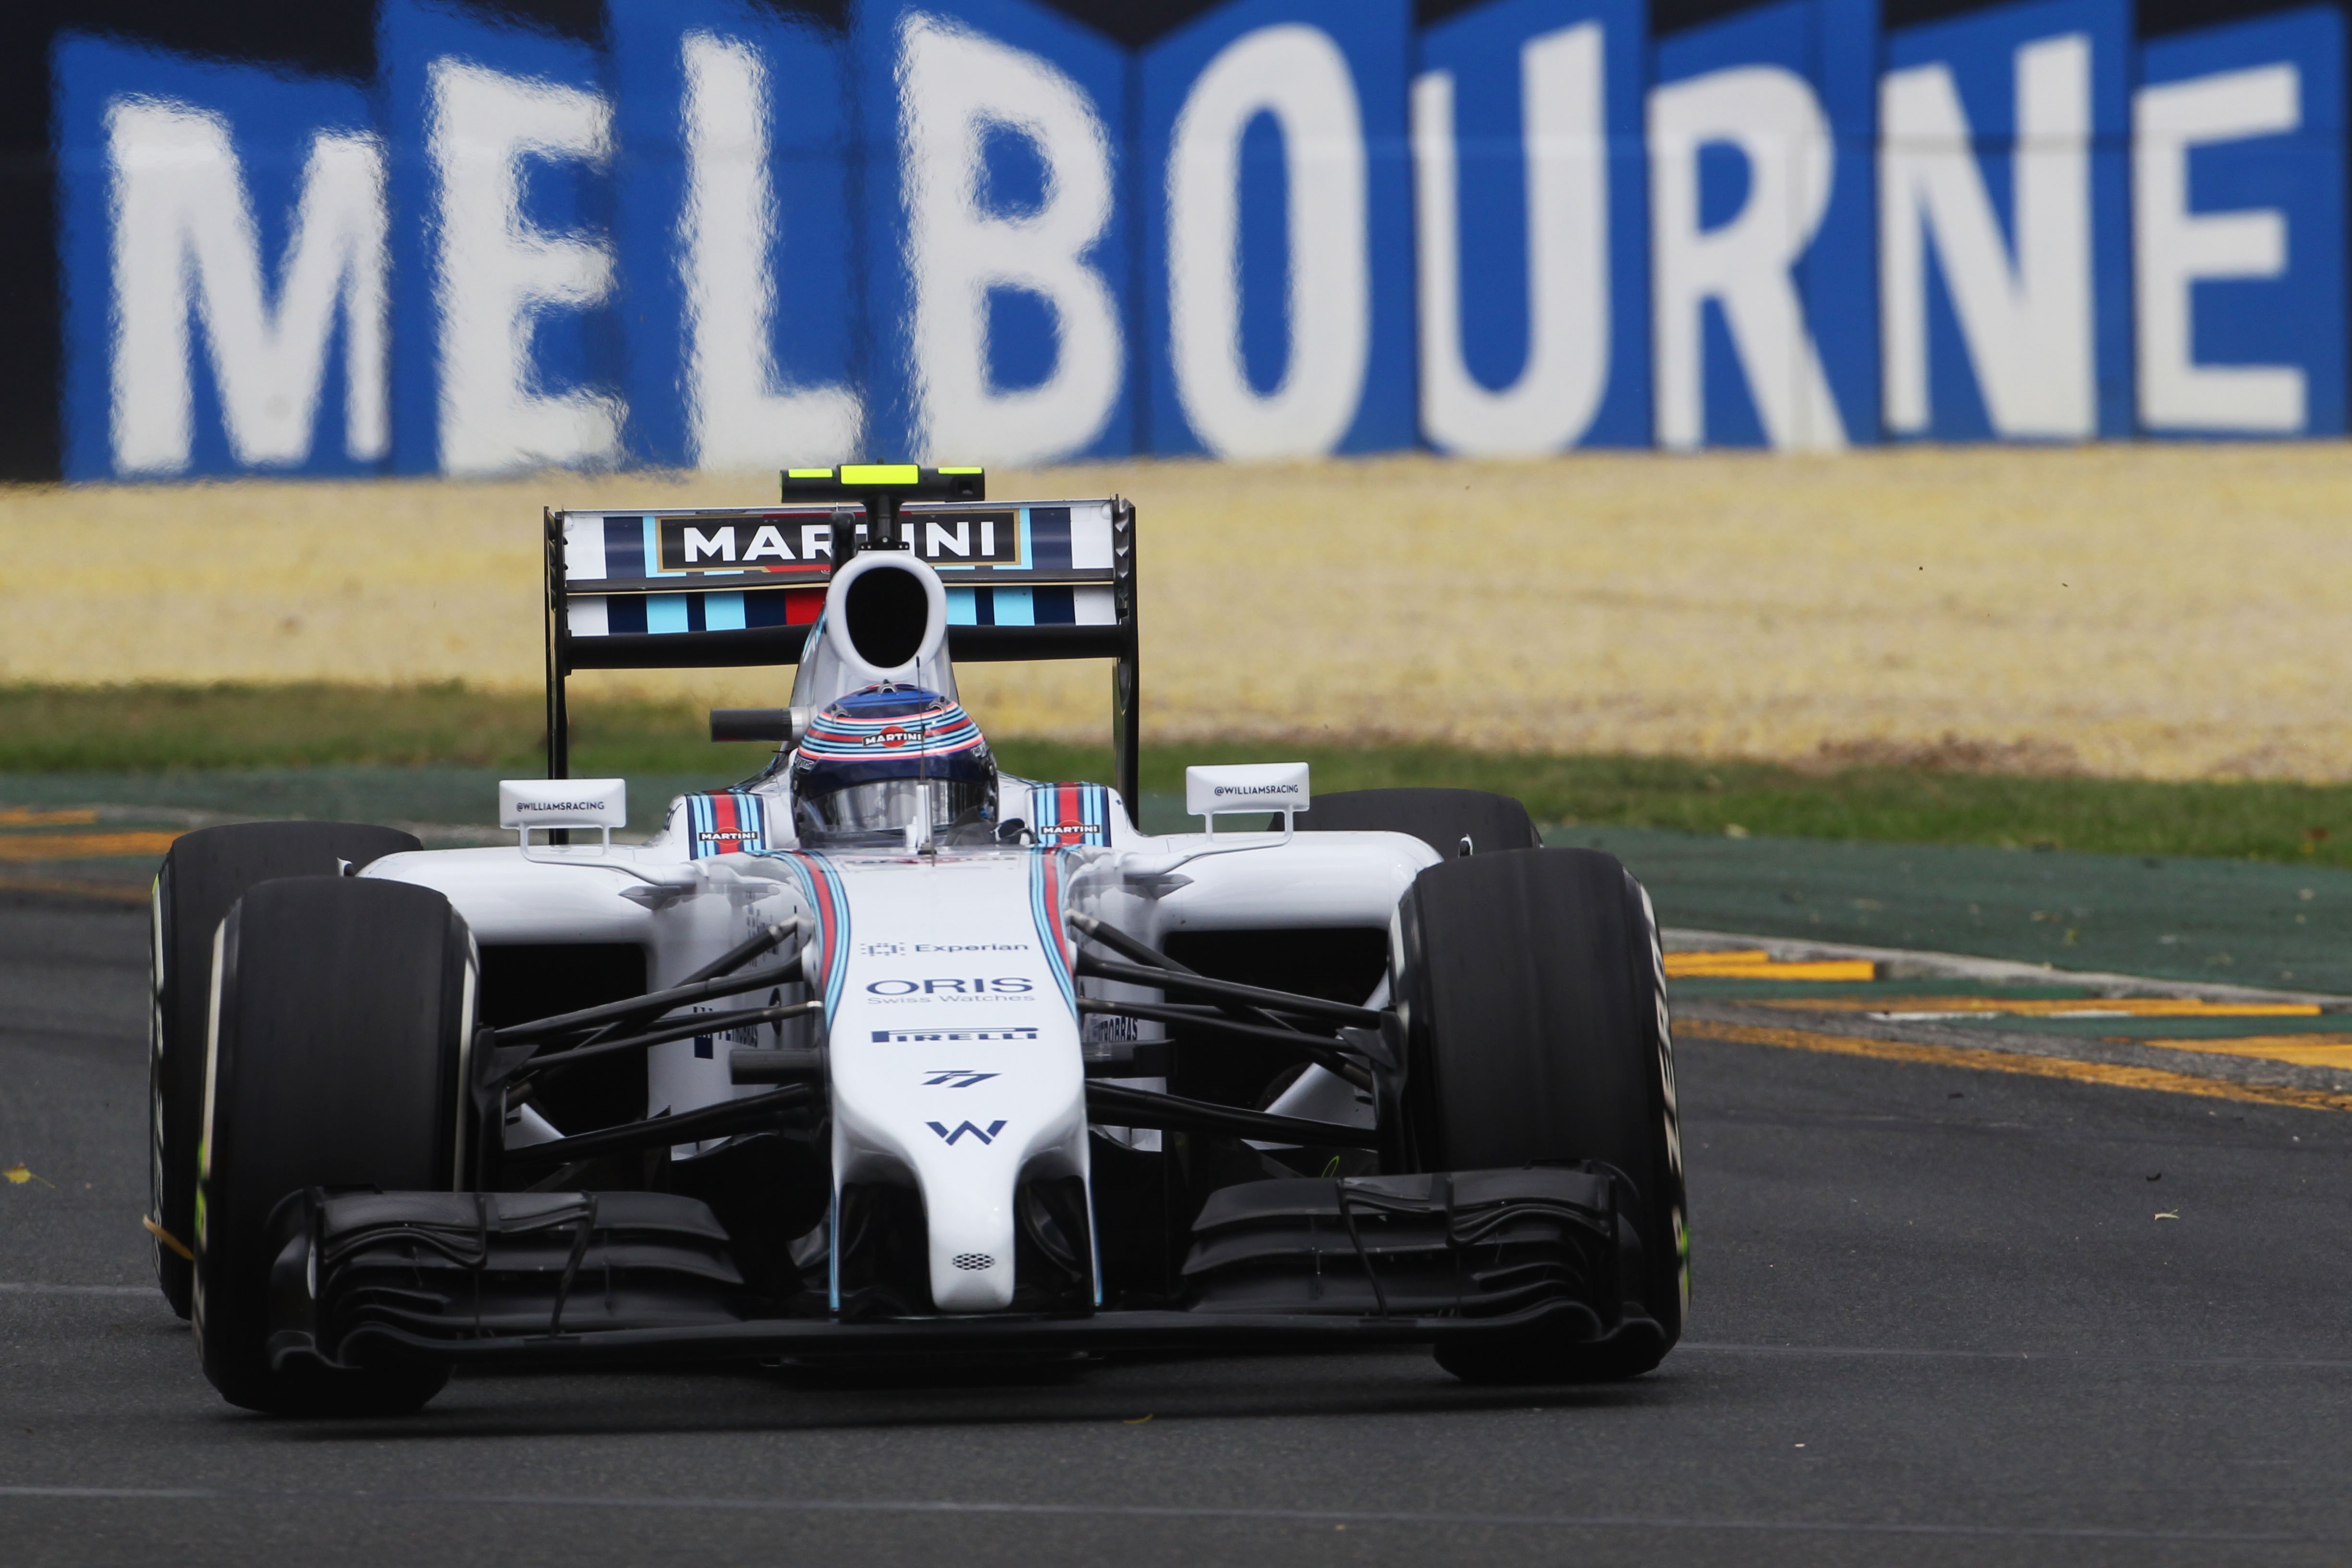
884 1054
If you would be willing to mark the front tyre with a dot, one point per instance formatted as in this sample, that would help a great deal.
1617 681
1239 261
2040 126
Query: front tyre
205 873
1453 822
1535 994
341 1018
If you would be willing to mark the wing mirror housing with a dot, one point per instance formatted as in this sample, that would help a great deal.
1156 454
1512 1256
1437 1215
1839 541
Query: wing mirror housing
527 803
1246 787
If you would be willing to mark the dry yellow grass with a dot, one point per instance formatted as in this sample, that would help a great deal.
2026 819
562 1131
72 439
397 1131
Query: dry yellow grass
2169 611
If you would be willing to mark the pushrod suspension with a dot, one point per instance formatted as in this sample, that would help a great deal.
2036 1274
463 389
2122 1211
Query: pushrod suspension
1144 952
751 1113
760 941
683 1029
654 1003
1119 1106
1229 991
1323 1052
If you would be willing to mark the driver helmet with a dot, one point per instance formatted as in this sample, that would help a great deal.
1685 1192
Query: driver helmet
879 759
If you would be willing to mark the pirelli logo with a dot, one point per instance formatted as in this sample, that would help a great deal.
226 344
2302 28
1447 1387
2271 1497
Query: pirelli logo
925 1037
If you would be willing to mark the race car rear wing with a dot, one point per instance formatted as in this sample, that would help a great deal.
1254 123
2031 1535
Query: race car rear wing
713 588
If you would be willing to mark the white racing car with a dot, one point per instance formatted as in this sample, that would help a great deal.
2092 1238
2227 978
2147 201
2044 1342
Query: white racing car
884 1054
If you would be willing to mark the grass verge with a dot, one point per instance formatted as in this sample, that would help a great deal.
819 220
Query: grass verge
147 728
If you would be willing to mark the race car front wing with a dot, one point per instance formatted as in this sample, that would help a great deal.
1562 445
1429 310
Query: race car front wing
625 1277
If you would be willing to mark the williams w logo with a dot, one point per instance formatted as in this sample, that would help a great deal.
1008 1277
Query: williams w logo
985 1134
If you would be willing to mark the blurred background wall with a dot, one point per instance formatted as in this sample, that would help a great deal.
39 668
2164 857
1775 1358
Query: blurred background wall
353 237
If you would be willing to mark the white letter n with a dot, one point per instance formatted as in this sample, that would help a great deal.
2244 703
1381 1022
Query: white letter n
2027 329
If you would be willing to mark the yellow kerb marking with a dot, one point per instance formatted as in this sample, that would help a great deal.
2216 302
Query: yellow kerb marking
1755 964
879 473
83 845
2312 1050
26 816
2111 1074
1817 969
2057 1007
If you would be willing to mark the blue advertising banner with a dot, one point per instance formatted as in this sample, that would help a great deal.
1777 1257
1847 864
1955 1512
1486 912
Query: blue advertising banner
1759 226
506 342
1530 197
1278 257
997 232
2004 259
222 248
2237 172
734 236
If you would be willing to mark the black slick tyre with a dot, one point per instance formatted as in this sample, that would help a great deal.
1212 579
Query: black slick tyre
1535 997
205 873
344 1007
1441 819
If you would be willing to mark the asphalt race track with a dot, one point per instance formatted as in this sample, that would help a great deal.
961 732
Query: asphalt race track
1938 1319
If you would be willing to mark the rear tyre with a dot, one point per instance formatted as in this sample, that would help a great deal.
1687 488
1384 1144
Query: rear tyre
1441 818
343 1010
206 872
1535 996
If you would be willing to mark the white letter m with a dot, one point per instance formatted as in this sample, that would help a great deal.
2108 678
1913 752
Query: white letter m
184 236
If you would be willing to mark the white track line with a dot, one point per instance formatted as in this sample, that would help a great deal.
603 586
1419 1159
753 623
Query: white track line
915 1506
35 1287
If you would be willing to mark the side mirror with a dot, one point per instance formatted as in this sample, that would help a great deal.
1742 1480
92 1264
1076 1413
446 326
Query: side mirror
526 804
1279 787
752 724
